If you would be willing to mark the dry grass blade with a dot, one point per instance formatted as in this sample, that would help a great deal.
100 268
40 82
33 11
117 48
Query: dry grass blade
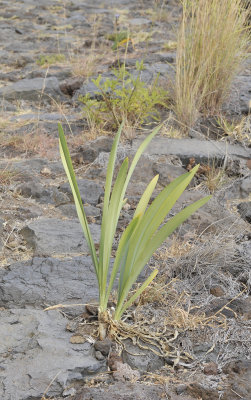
212 43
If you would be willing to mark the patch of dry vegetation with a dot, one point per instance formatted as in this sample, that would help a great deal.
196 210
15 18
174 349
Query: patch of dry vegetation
212 43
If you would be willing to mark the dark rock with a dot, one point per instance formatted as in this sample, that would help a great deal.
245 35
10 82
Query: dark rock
217 291
239 100
239 380
43 195
144 170
48 281
185 149
181 388
50 235
123 391
35 354
245 186
33 166
91 150
245 210
33 90
241 307
103 346
70 85
203 391
124 372
6 106
167 172
69 210
90 191
144 361
99 356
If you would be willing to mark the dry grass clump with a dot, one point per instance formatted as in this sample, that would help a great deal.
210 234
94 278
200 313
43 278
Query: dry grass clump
30 143
237 131
212 43
6 176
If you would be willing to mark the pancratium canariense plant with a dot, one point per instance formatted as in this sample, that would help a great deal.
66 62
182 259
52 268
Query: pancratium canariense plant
142 237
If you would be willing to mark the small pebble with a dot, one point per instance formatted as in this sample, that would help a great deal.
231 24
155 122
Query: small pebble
181 388
45 171
69 392
217 291
211 368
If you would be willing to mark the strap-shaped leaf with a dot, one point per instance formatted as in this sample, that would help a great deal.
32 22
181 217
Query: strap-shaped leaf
154 216
107 194
66 160
121 253
119 311
138 154
110 228
153 244
143 203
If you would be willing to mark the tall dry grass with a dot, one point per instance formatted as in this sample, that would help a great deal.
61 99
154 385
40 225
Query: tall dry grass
212 43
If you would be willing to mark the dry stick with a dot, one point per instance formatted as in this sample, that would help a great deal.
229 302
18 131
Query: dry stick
48 387
67 306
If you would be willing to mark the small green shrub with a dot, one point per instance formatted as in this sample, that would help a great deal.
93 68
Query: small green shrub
50 59
118 38
124 98
142 237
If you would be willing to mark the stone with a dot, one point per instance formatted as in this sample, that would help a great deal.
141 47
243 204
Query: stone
90 191
239 380
90 151
122 391
48 236
239 189
202 390
43 195
99 356
36 354
244 209
32 167
239 100
69 392
139 21
70 85
144 361
69 210
124 372
181 388
103 346
33 90
245 186
210 368
48 281
203 151
217 291
167 172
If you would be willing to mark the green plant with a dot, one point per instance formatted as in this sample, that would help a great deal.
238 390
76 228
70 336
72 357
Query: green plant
118 38
50 59
123 98
143 235
212 43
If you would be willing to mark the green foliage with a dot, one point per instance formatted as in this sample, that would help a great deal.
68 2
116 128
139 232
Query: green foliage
50 59
118 38
144 234
124 98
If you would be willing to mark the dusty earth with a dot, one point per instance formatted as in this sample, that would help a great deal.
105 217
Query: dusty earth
199 310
